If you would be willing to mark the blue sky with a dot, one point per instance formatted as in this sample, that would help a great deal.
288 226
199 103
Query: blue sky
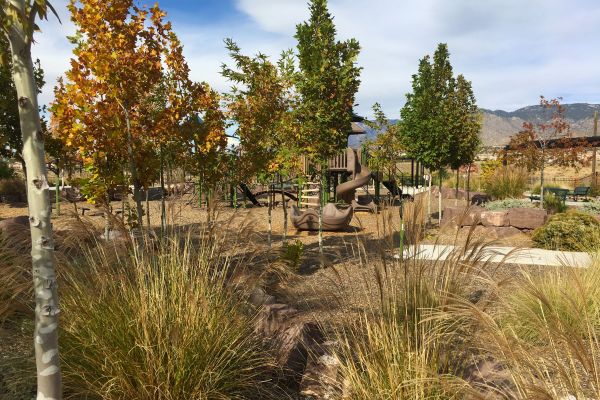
512 50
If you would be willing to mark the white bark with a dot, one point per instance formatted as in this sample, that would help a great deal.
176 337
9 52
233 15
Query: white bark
38 199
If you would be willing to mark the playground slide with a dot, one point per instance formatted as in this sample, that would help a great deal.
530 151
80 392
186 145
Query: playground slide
347 190
249 195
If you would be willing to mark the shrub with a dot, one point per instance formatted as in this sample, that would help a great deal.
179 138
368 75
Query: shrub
6 172
537 189
553 204
291 254
506 182
570 231
398 348
544 332
162 324
591 208
507 204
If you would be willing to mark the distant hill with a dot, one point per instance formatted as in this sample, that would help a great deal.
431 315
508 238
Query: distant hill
499 125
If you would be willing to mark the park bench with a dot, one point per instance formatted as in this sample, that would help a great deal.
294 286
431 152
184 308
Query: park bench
559 193
580 191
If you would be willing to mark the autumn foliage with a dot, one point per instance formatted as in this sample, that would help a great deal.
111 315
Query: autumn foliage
127 93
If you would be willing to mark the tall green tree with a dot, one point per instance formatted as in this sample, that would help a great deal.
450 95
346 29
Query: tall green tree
440 117
327 82
11 139
464 125
261 103
17 19
426 111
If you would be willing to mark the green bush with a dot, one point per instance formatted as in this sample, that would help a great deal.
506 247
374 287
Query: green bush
292 253
553 204
570 231
507 204
506 182
6 172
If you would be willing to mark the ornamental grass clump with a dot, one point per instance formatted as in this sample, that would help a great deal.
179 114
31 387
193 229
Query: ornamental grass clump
398 347
542 333
159 323
506 182
569 231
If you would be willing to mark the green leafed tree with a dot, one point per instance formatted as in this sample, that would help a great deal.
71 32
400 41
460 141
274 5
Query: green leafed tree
261 103
327 82
464 125
440 118
17 18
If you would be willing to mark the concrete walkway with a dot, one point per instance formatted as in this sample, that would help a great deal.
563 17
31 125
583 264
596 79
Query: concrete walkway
510 255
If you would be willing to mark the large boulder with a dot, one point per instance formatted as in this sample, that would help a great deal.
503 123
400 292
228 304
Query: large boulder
291 338
453 216
21 220
494 218
527 218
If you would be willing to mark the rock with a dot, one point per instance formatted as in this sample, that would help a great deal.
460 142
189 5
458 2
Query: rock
258 297
494 218
491 374
290 337
502 232
453 216
321 378
527 218
479 198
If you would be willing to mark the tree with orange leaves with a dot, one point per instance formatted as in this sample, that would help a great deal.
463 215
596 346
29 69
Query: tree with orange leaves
546 143
127 92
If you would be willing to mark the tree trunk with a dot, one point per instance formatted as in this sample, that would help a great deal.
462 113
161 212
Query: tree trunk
133 170
440 201
469 185
542 182
429 196
270 208
147 208
40 209
456 189
163 211
57 192
321 199
285 221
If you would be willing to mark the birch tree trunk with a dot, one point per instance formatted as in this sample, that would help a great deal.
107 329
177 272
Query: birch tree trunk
38 199
285 221
440 201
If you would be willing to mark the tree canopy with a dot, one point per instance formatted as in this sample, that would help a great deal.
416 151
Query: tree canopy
327 82
440 117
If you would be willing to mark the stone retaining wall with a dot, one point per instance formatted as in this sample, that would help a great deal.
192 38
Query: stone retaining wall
520 218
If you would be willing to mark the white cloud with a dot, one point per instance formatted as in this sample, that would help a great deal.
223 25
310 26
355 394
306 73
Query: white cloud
512 50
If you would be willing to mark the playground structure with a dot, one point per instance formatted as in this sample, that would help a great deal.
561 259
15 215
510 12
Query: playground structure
348 180
333 219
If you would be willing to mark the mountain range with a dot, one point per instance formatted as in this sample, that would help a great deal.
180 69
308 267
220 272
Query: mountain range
498 125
